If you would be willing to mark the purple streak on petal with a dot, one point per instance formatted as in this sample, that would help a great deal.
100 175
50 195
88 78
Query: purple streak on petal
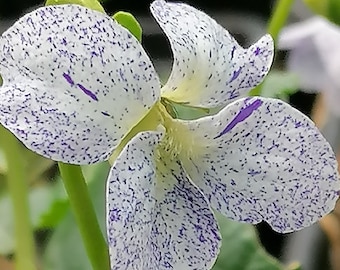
87 92
68 78
233 52
105 113
241 116
235 74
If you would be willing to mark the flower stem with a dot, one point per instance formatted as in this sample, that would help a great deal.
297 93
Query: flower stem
81 204
279 17
18 189
276 22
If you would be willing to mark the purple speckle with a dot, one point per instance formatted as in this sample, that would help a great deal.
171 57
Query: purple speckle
87 92
63 41
105 113
253 172
298 124
257 51
233 52
68 78
115 215
235 74
241 116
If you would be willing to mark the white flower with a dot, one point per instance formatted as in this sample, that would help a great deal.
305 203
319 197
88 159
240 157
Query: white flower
79 87
314 56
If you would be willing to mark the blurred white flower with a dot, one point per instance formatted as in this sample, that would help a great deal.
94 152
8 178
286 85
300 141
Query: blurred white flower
314 56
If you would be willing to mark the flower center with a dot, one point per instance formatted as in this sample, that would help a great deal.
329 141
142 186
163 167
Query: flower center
177 140
150 121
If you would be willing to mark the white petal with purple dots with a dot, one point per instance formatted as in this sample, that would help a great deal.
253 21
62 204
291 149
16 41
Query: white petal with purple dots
210 68
74 83
156 218
260 159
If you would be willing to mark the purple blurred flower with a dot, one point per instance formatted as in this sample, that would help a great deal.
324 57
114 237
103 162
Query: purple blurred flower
314 56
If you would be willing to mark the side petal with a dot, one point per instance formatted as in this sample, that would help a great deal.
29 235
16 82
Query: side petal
74 83
260 159
210 68
156 218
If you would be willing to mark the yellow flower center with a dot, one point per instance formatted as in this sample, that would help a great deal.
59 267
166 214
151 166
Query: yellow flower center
177 139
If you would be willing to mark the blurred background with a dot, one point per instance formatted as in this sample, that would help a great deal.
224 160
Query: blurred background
246 20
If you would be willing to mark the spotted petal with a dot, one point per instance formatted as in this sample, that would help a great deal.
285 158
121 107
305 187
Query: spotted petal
209 68
75 82
156 218
260 159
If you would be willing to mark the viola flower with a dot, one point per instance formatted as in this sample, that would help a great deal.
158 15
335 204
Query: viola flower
78 88
314 56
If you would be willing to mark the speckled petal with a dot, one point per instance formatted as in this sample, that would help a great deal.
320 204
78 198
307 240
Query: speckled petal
209 68
260 159
75 82
156 218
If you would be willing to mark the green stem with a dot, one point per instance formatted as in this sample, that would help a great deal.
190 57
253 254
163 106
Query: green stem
279 17
18 189
85 216
276 22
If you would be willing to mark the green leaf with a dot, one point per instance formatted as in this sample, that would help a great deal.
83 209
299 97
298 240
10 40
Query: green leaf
279 84
60 206
65 249
91 4
40 198
128 21
241 249
55 213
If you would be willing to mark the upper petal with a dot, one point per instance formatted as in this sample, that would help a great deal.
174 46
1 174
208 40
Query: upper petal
209 68
74 83
260 159
156 218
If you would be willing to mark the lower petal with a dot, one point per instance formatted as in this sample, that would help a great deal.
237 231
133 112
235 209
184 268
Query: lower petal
156 218
186 231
